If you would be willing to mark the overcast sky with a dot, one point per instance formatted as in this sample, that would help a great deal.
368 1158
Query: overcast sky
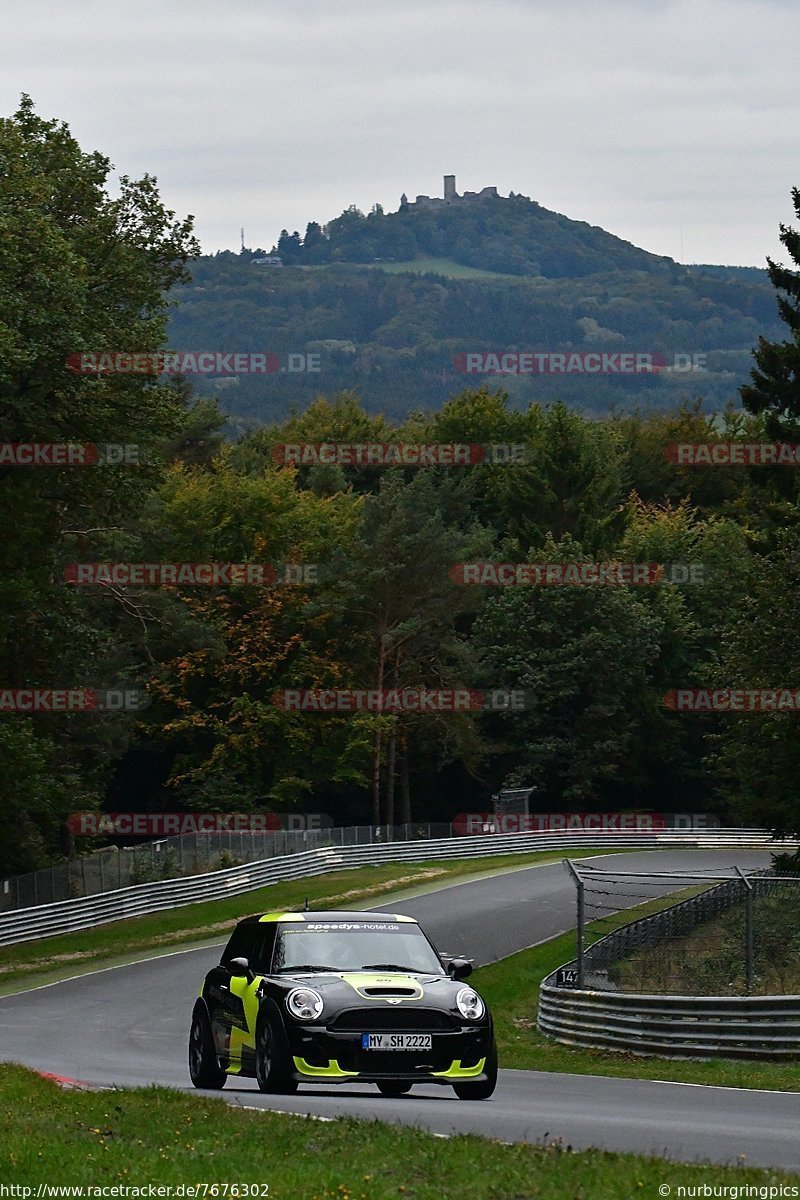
672 123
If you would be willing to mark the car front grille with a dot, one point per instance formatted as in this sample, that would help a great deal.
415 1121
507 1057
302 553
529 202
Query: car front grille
390 1064
392 1019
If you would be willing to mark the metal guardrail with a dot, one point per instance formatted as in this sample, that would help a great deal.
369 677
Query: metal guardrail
86 912
677 1026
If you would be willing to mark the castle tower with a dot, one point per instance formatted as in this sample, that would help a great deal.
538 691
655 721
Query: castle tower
449 189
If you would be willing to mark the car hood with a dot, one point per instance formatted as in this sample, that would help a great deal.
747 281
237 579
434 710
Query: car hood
379 987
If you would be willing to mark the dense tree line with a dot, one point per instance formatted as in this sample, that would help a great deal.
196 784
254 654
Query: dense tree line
384 608
394 337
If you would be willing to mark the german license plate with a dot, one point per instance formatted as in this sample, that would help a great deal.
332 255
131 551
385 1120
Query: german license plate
395 1041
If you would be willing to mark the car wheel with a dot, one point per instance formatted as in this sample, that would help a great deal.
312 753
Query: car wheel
393 1087
272 1059
204 1067
481 1089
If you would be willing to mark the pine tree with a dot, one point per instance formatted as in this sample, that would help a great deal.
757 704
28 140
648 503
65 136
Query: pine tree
775 391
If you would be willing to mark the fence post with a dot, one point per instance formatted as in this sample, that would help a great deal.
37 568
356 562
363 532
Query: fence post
581 922
749 931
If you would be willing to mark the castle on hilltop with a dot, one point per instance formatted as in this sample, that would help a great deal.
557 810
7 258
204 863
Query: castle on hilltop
450 197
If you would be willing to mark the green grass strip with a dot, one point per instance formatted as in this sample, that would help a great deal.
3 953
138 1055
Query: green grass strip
163 1137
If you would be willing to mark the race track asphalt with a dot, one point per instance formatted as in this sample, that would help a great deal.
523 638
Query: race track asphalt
128 1025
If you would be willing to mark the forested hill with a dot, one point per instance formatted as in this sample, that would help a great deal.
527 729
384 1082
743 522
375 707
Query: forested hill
388 304
511 235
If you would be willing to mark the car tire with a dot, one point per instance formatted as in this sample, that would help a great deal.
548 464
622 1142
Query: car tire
204 1068
272 1058
481 1089
394 1087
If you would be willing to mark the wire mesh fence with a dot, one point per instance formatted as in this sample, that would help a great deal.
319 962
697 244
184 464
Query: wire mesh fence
727 934
189 854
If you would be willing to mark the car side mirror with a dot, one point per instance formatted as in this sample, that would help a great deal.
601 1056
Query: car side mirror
240 966
459 968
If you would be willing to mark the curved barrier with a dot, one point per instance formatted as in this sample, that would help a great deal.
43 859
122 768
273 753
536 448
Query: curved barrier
677 1026
66 916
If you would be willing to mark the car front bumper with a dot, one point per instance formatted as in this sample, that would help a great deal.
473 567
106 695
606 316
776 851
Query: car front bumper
319 1054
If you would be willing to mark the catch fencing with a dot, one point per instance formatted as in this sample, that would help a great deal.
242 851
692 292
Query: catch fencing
692 968
86 912
764 921
116 867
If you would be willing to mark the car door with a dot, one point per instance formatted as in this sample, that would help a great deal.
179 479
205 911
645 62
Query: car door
225 1001
244 999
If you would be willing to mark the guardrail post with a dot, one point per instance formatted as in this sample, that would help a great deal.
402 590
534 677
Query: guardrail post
581 951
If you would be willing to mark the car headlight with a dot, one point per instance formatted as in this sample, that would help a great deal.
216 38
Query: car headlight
305 1004
470 1005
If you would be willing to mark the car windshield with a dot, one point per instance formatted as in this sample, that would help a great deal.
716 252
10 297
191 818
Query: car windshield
354 946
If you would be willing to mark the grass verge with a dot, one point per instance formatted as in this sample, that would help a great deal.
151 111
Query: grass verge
431 265
448 268
162 1137
48 959
511 988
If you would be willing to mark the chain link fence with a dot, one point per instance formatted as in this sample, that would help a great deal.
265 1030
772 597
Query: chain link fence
188 854
734 935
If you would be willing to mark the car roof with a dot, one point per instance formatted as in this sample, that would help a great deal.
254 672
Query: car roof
314 917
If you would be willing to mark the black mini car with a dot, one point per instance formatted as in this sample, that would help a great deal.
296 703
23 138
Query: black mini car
340 997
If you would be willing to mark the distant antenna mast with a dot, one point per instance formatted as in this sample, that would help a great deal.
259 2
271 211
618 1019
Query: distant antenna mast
243 239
